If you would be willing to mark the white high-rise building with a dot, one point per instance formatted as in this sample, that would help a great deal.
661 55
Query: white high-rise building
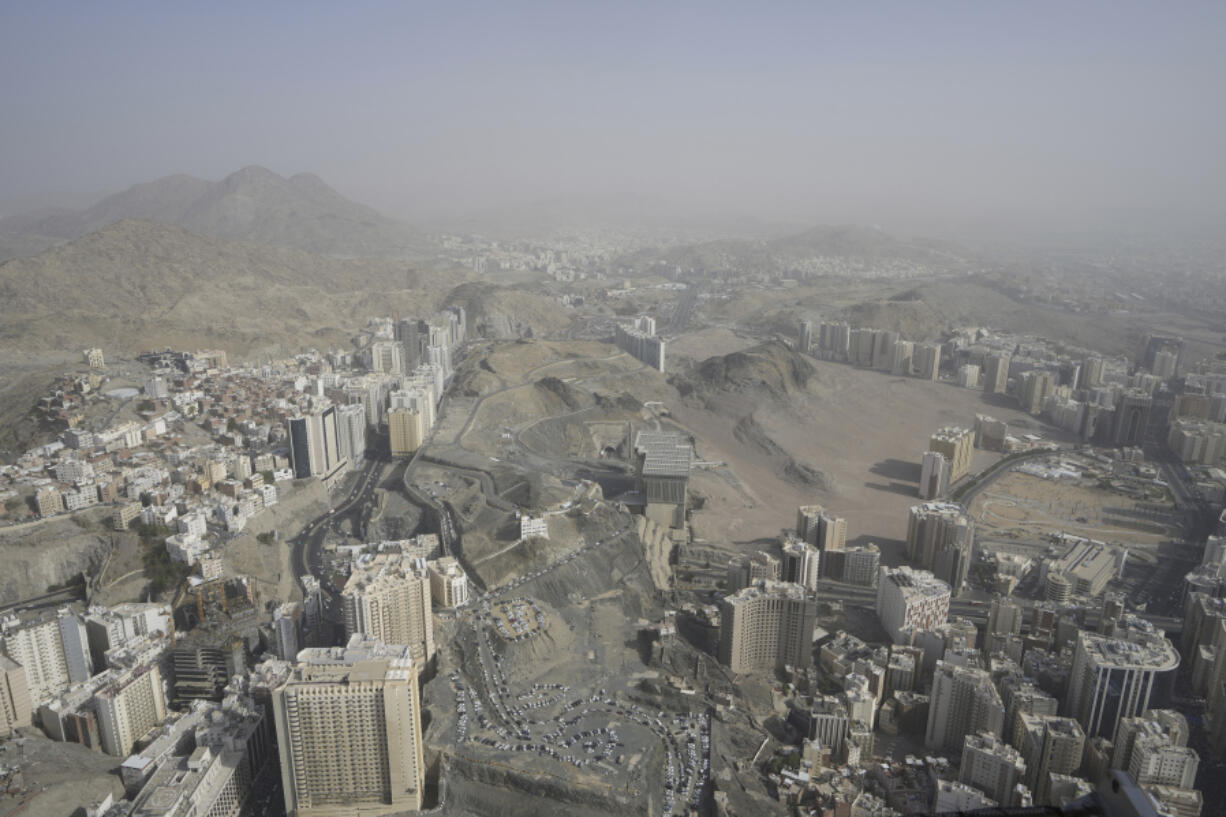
351 433
941 538
909 600
16 709
820 529
934 475
287 628
1113 678
313 439
52 649
348 723
448 582
1052 746
386 357
1156 762
800 564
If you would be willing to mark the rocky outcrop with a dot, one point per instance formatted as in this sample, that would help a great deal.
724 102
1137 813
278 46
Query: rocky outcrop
32 565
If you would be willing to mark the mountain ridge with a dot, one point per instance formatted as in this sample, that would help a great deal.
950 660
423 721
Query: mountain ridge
252 204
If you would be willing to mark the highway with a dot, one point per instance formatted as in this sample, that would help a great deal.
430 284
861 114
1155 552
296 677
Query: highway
306 554
681 315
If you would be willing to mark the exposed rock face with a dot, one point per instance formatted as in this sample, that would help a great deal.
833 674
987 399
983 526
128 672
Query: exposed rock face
31 566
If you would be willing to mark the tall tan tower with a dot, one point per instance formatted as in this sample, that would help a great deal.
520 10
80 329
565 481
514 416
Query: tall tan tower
15 708
128 708
388 599
349 731
766 626
406 431
957 445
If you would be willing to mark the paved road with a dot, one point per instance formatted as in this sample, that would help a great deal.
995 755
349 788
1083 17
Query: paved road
684 310
307 546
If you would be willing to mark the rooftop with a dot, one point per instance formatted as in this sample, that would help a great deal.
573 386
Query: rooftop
664 453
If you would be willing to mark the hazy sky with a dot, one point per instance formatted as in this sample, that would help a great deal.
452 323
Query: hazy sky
815 111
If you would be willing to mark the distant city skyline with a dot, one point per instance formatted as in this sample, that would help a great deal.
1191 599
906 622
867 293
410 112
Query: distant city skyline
938 117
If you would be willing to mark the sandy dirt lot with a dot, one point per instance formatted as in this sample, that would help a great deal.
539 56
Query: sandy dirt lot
1027 506
864 431
707 342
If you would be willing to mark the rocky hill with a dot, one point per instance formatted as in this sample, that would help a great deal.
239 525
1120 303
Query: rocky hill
254 204
770 369
135 284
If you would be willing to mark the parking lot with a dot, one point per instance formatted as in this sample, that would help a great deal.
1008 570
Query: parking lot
514 707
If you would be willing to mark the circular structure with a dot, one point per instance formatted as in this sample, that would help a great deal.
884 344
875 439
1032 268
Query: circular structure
1058 588
517 619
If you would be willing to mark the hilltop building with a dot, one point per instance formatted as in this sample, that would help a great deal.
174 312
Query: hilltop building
662 467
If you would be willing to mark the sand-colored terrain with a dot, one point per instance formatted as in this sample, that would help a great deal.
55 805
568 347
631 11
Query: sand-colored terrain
1024 506
862 431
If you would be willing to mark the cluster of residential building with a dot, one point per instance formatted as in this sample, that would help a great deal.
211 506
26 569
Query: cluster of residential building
209 445
881 349
1036 708
198 725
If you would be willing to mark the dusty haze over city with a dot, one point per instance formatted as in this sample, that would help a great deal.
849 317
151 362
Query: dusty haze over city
612 409
934 117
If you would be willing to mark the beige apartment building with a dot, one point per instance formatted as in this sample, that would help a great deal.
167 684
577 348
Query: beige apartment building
348 723
387 598
956 445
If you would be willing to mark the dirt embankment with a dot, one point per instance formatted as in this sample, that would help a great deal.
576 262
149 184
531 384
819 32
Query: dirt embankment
42 554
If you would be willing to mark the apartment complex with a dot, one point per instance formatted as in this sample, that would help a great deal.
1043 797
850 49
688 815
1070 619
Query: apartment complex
387 598
993 767
640 340
314 445
801 563
940 538
348 722
956 445
963 701
768 625
751 568
128 708
16 710
934 475
52 649
996 373
406 430
1052 747
448 582
823 530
